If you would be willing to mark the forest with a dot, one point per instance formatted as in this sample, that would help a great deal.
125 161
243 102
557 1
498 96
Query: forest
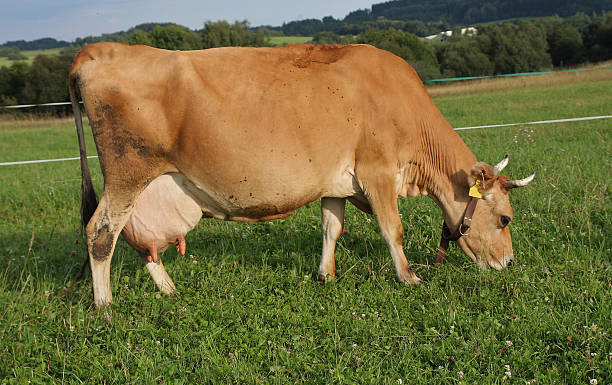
475 11
425 18
497 48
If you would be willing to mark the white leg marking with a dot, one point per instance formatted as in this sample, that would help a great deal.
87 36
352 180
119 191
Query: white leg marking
160 277
332 221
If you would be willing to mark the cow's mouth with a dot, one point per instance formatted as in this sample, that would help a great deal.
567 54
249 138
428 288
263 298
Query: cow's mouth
484 260
506 261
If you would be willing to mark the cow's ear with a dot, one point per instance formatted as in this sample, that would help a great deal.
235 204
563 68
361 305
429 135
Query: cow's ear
483 173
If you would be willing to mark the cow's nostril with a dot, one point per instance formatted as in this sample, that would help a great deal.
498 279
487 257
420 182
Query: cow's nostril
510 263
504 220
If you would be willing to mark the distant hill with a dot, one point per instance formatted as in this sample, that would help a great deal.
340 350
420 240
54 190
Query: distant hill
475 11
44 43
419 17
51 43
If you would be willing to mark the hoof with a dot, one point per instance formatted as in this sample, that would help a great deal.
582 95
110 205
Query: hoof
167 287
410 280
104 311
167 291
325 278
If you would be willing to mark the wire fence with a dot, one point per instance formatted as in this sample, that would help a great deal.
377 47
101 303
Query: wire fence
456 129
20 106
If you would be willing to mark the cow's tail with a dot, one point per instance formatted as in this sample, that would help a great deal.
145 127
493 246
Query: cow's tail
89 202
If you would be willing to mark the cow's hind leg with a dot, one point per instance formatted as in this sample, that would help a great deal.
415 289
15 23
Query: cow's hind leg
332 221
383 199
102 231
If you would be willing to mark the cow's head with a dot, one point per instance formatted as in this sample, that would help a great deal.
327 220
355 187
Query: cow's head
488 241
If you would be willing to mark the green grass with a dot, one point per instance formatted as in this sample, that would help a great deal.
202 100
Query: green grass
528 104
31 55
249 311
285 40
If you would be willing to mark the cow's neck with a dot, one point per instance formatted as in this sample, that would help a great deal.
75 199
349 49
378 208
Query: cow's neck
446 162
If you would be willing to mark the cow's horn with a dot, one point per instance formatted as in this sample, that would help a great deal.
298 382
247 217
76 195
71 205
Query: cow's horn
519 183
500 166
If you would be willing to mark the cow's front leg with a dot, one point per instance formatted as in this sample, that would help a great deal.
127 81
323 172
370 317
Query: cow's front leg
160 276
383 200
332 221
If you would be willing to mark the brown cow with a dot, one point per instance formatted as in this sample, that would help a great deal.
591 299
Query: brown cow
257 133
162 215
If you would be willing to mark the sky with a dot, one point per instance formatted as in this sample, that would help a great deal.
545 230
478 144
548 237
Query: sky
69 19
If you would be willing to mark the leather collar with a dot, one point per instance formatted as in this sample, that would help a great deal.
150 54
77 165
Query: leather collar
463 229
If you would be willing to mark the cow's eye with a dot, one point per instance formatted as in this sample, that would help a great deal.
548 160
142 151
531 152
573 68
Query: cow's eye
504 220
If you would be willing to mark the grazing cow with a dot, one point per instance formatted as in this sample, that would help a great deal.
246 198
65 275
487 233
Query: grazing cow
162 215
256 133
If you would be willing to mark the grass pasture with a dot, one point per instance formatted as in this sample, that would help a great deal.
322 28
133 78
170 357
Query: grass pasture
31 55
249 311
286 40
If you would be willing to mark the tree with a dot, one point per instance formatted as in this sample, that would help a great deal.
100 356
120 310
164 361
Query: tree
175 37
47 79
139 37
16 56
44 43
12 82
331 38
6 51
534 54
407 46
359 16
597 38
306 27
514 48
222 34
216 34
463 57
566 46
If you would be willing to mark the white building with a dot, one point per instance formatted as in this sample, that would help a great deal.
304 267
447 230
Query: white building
465 31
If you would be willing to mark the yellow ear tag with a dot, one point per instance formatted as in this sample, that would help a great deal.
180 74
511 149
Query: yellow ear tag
474 190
